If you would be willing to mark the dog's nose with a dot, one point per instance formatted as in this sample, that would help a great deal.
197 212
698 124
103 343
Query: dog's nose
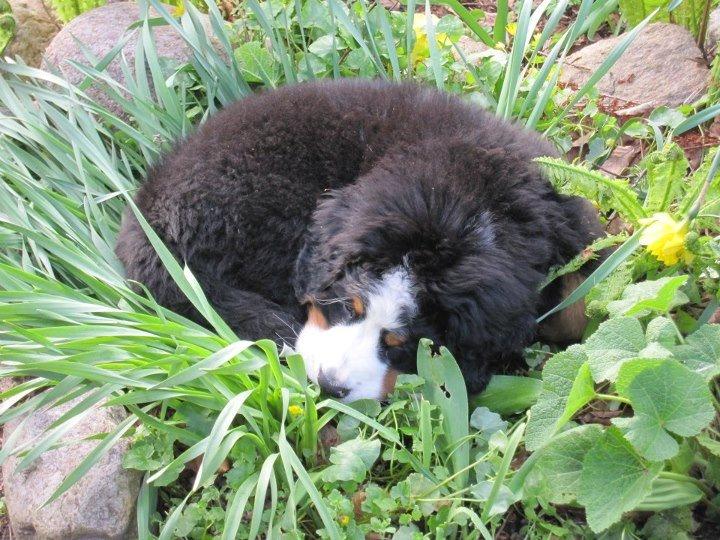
329 384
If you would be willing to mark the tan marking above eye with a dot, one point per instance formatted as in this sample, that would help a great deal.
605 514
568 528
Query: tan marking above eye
393 339
358 306
316 317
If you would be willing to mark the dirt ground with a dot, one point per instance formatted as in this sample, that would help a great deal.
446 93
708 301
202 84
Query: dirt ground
4 521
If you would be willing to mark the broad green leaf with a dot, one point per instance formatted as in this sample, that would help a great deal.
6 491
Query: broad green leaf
559 465
666 398
663 331
639 299
352 460
710 444
676 524
656 351
614 342
666 493
509 394
701 351
487 422
666 170
256 63
665 116
501 502
567 387
445 387
630 370
607 290
324 45
614 480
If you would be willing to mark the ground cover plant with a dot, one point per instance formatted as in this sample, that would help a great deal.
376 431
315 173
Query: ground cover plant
618 435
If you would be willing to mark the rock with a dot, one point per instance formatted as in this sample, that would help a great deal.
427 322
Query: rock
100 30
35 25
713 30
100 505
472 50
6 383
663 66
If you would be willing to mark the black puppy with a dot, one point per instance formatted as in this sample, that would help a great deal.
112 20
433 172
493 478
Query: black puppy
373 213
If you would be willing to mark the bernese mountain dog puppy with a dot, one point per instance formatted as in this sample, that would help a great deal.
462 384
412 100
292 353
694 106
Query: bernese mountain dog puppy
351 218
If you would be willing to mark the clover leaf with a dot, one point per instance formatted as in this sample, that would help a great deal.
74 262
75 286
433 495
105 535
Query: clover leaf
666 398
614 480
487 422
567 387
352 460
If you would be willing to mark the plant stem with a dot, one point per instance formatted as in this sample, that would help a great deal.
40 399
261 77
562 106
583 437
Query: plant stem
609 397
685 478
704 25
501 17
706 187
453 476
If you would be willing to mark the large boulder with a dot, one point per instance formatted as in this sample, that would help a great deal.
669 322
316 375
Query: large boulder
35 25
101 505
713 30
99 30
663 66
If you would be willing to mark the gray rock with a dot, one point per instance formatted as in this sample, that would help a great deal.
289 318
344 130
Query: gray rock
100 30
713 30
663 66
101 505
35 25
473 50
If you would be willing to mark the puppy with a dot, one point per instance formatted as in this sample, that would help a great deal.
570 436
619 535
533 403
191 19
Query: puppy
351 218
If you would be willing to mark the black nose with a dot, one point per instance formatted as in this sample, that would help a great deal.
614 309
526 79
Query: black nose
330 386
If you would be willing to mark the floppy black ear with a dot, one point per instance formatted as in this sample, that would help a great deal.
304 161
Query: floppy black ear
323 256
314 269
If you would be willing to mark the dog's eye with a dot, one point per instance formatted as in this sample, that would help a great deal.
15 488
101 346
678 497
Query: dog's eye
393 339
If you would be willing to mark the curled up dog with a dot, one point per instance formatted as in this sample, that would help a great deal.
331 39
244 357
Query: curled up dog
351 218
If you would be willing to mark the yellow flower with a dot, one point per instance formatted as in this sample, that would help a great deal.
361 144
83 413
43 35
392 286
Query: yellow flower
421 49
344 520
179 10
665 238
295 410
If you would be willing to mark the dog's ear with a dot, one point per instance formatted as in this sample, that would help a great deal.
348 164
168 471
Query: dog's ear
324 255
315 270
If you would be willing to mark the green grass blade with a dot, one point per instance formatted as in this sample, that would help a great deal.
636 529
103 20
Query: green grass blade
602 271
502 471
234 514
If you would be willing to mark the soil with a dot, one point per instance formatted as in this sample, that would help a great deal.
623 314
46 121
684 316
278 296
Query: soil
4 520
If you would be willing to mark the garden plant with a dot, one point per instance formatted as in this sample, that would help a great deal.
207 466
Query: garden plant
616 436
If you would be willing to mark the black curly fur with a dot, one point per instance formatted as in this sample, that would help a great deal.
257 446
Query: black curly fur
287 195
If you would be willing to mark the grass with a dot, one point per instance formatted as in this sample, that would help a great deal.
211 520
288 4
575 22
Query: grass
71 326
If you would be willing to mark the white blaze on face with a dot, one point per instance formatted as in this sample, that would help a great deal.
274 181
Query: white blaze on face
350 353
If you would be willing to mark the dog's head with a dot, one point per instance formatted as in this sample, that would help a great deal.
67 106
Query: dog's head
434 246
